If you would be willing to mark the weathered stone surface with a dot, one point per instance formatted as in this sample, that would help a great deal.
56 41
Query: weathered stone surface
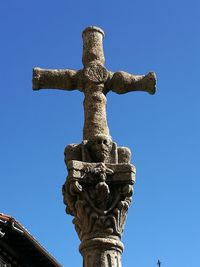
92 46
94 81
101 191
98 196
98 149
98 192
101 252
98 189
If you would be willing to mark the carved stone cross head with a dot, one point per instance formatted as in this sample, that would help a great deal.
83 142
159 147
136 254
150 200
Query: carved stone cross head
95 81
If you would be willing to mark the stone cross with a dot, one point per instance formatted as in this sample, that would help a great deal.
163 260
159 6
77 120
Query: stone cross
95 81
99 186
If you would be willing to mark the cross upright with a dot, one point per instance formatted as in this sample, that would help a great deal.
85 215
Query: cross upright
95 81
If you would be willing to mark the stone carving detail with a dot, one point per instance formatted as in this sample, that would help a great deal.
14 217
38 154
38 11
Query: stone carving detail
99 186
98 192
98 195
96 73
94 81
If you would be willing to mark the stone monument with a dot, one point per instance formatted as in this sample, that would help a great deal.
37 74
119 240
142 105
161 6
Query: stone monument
99 185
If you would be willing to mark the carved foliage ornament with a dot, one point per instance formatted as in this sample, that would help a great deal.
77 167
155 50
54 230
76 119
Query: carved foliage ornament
98 196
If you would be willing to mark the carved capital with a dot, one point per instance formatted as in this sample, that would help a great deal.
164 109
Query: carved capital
98 196
98 192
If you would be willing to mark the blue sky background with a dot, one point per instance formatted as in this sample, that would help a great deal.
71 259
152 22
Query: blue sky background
162 130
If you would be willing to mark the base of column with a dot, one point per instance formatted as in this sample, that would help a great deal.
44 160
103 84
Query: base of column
101 252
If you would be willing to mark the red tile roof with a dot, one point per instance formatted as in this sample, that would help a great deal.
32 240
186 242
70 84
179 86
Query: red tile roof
14 233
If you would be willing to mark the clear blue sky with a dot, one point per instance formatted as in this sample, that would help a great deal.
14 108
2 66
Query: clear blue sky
163 131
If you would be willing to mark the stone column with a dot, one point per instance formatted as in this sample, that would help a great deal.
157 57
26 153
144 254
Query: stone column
98 195
98 189
101 252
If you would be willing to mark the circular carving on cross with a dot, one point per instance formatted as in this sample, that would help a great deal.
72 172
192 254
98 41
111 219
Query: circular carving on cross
96 73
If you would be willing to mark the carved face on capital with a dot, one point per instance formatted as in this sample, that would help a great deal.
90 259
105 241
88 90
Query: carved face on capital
100 147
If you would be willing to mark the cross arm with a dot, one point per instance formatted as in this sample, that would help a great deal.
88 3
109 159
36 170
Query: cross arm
123 82
56 79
